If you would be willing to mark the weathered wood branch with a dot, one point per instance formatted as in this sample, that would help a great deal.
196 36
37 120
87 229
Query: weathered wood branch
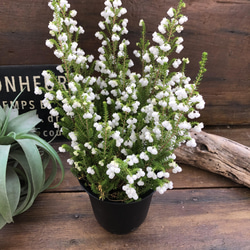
218 155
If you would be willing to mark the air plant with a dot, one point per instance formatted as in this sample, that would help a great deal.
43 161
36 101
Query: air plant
24 158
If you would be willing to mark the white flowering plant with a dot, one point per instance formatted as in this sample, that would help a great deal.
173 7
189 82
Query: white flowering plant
123 126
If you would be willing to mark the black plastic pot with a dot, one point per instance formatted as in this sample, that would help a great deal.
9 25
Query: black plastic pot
119 217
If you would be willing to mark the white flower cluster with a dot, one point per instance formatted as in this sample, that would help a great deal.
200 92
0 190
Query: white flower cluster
130 191
162 189
176 167
138 118
90 170
113 168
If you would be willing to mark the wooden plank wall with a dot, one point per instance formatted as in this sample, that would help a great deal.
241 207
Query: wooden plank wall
220 27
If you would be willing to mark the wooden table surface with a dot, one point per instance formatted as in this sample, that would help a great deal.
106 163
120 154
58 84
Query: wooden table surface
203 211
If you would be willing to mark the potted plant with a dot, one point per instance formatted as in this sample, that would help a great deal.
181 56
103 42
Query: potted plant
24 159
123 126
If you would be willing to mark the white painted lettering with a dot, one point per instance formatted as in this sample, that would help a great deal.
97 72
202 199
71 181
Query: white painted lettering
62 80
52 133
35 80
22 84
23 104
10 84
58 133
41 105
50 118
45 133
16 104
5 104
32 105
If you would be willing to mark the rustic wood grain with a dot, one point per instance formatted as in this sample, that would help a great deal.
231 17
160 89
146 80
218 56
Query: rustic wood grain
218 155
240 134
219 27
179 219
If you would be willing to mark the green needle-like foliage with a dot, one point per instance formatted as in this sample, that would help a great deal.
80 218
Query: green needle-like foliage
123 124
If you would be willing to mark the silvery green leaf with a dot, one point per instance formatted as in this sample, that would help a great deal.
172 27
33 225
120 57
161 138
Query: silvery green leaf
23 123
13 114
50 150
13 189
5 209
28 194
2 117
35 163
8 114
5 140
2 222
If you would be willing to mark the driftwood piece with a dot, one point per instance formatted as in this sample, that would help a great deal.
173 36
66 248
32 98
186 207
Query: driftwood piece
218 155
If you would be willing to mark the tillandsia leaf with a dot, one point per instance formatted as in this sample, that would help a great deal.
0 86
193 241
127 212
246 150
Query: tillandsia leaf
52 174
35 163
23 123
13 189
8 115
6 140
22 164
5 209
2 117
13 113
53 171
2 222
29 195
50 150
